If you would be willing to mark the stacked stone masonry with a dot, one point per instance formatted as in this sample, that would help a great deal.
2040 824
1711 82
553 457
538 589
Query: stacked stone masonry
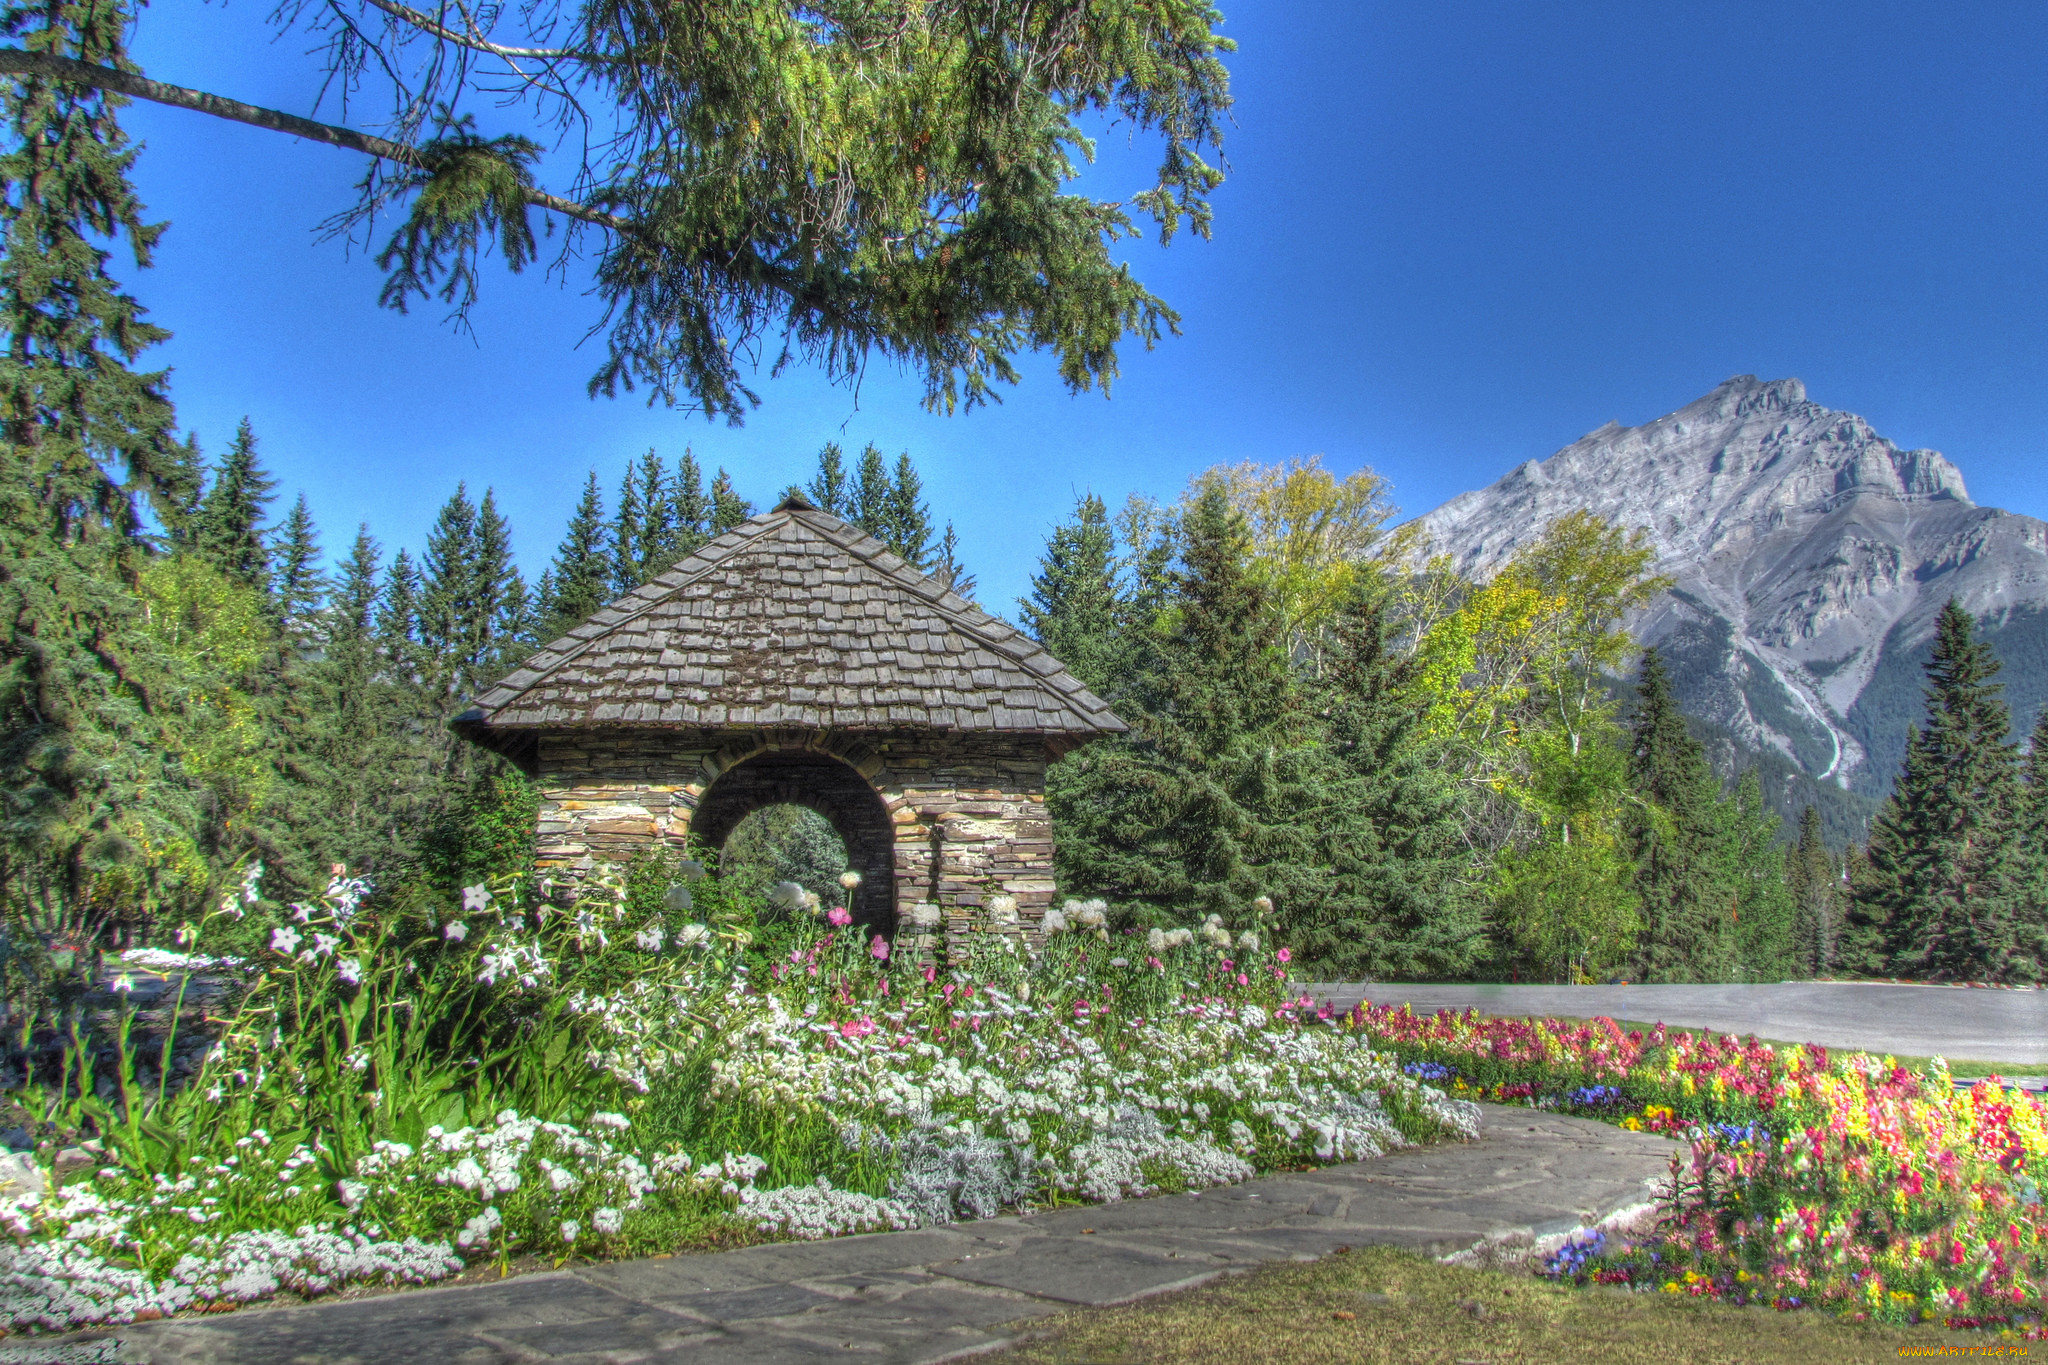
795 660
966 812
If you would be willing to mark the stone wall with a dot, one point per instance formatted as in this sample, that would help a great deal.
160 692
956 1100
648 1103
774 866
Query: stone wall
967 809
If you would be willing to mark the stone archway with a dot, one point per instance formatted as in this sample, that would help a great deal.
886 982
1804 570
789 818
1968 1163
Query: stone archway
834 790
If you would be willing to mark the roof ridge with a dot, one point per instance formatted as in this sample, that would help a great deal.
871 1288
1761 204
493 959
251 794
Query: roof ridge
1028 652
1061 702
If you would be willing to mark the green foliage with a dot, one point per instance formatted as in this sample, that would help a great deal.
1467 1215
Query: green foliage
1938 893
785 844
96 822
1813 879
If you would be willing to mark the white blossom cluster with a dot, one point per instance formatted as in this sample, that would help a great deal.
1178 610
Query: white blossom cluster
820 1210
1194 1098
58 1283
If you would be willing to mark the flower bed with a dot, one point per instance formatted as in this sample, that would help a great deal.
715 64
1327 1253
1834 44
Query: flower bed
1843 1181
408 1089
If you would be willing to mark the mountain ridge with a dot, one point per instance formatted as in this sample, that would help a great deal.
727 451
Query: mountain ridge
1810 555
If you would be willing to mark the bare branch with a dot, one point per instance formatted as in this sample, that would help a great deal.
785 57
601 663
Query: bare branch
476 42
16 62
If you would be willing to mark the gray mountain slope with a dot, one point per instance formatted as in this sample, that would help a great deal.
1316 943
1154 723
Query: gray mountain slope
1810 556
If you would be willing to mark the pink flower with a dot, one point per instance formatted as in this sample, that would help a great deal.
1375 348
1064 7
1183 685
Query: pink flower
879 949
838 914
1285 955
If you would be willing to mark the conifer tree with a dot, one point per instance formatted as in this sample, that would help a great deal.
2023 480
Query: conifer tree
1679 841
948 567
909 520
357 737
579 581
1205 807
625 553
2031 854
873 497
828 489
228 530
1075 609
1761 911
692 505
1937 896
298 585
1388 813
85 790
728 508
1813 879
655 540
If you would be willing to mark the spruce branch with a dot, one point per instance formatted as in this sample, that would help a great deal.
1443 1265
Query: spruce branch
16 62
475 42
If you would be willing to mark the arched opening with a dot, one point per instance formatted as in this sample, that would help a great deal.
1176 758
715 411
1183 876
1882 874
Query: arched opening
774 844
834 790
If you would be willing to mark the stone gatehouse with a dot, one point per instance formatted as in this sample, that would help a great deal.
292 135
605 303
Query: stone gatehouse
795 660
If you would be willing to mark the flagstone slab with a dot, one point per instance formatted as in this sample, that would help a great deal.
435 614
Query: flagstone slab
909 1298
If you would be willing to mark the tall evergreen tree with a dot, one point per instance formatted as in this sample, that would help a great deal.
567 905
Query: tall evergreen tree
1074 609
85 791
909 520
298 584
357 736
228 530
2031 930
872 498
1206 806
1814 879
625 555
1678 840
693 509
728 508
1938 895
949 568
655 540
1389 819
579 581
1761 914
828 489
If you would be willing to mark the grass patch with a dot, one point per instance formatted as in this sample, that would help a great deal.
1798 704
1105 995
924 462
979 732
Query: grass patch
1379 1304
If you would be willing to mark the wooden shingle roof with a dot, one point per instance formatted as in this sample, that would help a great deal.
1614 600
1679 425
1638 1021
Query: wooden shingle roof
792 619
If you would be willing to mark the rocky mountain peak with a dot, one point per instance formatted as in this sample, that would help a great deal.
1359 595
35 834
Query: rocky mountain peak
1808 551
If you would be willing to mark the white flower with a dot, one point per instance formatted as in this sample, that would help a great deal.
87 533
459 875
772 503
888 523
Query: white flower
569 1230
849 879
284 939
252 880
351 1192
1264 905
123 984
692 936
1119 962
349 970
1248 941
1055 922
607 1222
925 915
455 931
323 944
1003 909
476 899
1155 939
650 938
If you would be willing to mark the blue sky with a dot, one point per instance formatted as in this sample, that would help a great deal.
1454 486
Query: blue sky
1455 236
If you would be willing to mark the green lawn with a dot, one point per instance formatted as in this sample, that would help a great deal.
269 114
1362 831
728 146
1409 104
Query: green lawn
1381 1305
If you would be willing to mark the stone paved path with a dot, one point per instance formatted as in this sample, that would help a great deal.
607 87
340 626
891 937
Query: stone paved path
1919 1021
926 1296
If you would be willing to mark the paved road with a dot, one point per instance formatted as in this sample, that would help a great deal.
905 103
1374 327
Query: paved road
914 1297
1919 1021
